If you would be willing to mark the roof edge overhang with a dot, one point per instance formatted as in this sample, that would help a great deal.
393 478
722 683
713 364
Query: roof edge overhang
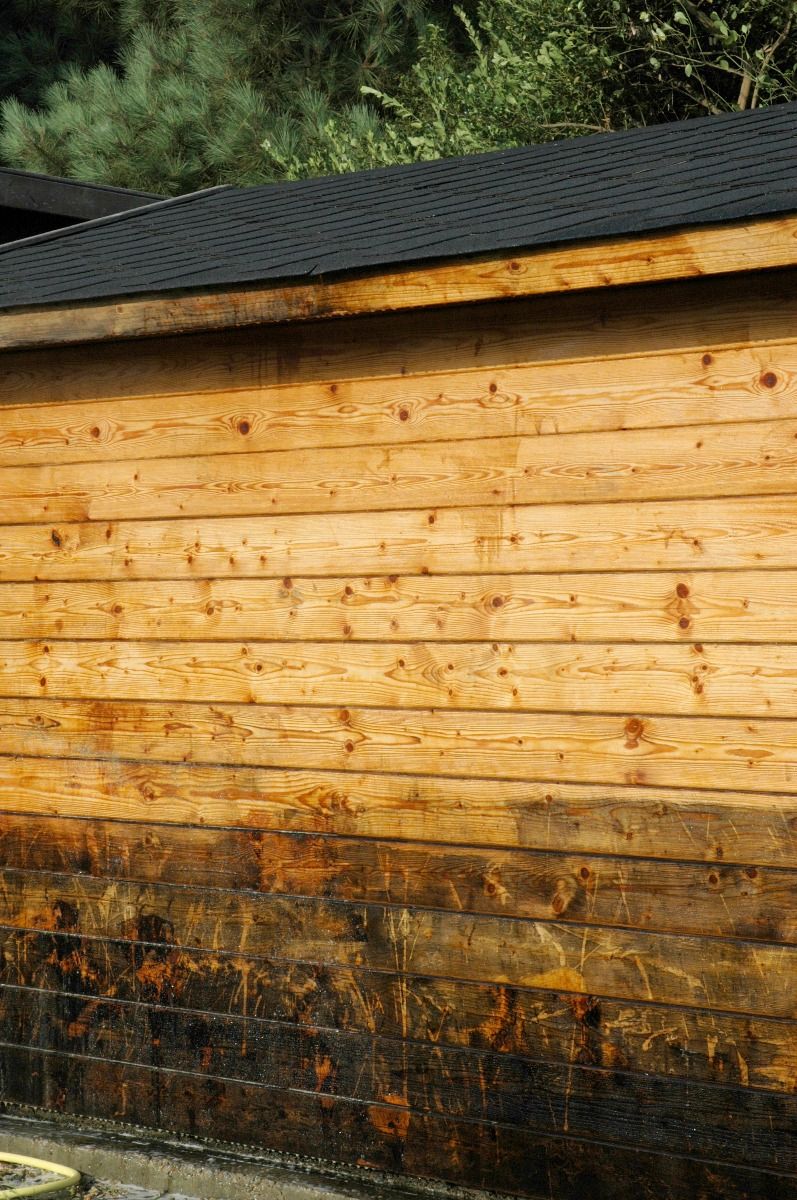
682 254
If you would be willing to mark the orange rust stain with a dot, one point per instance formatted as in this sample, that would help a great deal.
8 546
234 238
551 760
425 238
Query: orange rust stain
324 1069
394 1122
561 979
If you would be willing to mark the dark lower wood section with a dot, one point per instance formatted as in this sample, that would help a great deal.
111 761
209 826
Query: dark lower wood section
736 1125
729 975
677 897
391 1137
561 1027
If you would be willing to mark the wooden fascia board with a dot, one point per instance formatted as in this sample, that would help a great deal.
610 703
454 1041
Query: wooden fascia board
683 254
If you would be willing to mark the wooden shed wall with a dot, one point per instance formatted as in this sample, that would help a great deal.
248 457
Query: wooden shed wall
398 739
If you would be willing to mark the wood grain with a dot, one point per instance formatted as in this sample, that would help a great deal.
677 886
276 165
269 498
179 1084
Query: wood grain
751 755
648 535
738 1124
751 976
754 310
706 460
393 1138
683 254
709 826
631 392
702 679
720 606
246 1003
719 900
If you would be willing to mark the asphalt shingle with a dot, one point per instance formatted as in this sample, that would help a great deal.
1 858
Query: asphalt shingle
713 169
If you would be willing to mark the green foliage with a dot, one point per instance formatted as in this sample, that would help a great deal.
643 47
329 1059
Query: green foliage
40 39
243 91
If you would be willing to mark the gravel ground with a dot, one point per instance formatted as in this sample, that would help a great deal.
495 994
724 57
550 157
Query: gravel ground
12 1176
102 1189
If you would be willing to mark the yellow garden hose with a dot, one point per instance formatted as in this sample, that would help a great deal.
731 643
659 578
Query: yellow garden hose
68 1178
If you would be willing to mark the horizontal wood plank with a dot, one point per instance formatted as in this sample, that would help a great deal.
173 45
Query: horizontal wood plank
707 460
391 1137
718 900
698 315
736 1124
632 392
681 752
648 535
722 606
733 976
710 826
248 1002
682 254
702 679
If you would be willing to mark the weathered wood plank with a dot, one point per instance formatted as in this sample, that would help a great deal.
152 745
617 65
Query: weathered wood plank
687 392
558 1026
736 1124
648 535
723 901
391 1137
715 827
729 975
723 606
702 679
700 315
681 752
682 254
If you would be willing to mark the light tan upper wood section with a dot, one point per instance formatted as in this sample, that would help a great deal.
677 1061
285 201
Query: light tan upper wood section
710 826
683 254
706 460
679 752
646 535
718 606
710 680
631 391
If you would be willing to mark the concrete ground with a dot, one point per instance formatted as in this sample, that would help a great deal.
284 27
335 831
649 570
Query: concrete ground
159 1167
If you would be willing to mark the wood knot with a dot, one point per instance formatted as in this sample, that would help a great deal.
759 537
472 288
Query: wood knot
634 729
769 379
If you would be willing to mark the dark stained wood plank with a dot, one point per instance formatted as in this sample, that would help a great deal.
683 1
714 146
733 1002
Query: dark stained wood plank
561 1027
718 900
716 827
736 1124
733 976
391 1137
685 752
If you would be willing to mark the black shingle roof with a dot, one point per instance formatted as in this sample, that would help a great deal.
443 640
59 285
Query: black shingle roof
736 166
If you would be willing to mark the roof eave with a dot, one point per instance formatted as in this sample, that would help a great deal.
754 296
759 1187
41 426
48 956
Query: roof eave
680 254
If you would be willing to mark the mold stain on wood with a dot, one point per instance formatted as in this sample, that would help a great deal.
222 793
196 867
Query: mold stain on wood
398 738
